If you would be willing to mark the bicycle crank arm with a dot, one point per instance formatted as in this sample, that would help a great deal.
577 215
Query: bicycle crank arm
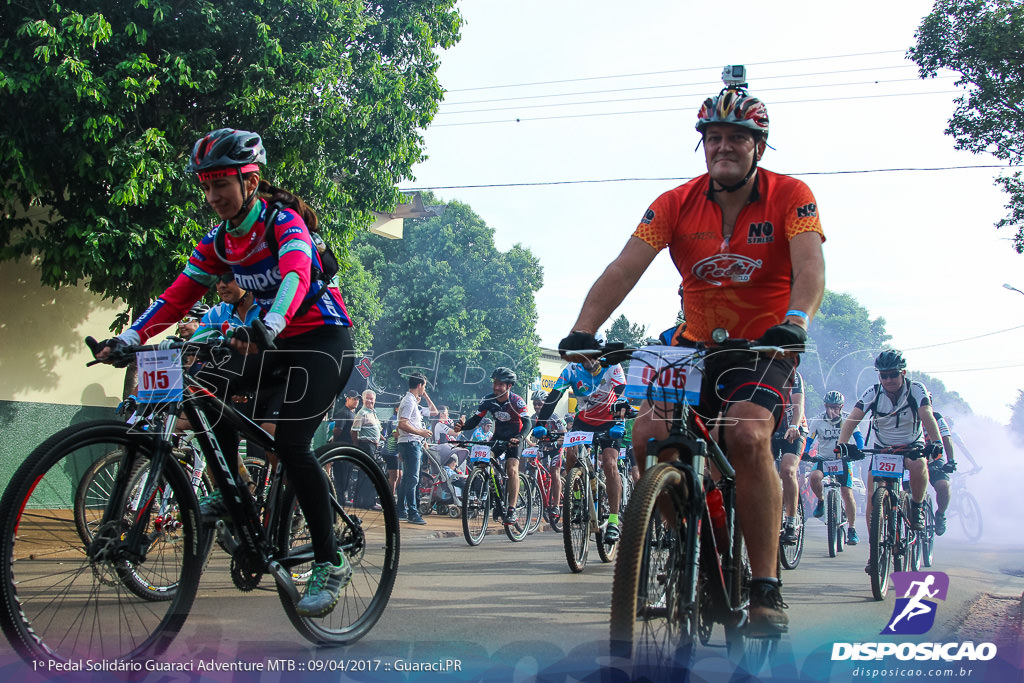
226 537
284 580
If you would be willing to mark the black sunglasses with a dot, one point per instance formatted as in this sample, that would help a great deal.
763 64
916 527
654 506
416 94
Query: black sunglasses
227 278
891 374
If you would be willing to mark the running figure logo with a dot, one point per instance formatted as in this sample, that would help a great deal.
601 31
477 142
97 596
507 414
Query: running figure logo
914 613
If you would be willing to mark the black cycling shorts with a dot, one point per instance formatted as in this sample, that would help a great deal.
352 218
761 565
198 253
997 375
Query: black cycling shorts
744 376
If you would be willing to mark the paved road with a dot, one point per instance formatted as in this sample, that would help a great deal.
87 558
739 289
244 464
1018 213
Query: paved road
509 611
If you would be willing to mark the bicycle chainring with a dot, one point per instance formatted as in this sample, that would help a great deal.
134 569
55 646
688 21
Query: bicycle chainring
245 572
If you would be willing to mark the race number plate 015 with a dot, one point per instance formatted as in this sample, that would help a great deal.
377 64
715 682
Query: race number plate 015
664 373
887 465
159 376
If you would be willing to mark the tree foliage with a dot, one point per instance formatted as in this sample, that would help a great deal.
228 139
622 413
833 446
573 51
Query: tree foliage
621 330
983 41
102 102
454 306
846 341
1017 417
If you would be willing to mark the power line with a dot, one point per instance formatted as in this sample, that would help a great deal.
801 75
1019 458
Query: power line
673 85
685 179
997 367
673 71
958 341
666 97
657 111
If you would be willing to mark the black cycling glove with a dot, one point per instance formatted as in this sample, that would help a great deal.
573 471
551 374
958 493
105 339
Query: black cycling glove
789 336
949 467
578 341
849 451
933 450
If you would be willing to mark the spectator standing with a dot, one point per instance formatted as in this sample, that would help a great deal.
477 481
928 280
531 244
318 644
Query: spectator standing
411 434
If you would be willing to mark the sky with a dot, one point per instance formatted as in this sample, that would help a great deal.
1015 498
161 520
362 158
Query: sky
570 182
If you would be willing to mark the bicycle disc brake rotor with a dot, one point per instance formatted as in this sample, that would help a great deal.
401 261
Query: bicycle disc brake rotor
351 539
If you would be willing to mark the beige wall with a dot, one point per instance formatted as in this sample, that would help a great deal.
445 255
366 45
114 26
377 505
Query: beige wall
42 352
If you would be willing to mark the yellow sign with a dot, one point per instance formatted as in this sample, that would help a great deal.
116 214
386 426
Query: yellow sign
547 382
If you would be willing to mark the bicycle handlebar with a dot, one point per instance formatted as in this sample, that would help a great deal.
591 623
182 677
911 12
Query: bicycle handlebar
123 354
912 452
617 352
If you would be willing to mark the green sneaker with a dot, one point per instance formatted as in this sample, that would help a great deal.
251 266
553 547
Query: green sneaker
212 508
324 588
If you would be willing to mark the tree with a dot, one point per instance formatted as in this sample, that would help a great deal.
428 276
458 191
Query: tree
1017 417
455 307
981 40
102 102
622 330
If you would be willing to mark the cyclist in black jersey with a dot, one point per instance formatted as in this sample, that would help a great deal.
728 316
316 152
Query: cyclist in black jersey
511 423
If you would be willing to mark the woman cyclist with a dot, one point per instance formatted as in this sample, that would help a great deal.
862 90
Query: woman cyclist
308 326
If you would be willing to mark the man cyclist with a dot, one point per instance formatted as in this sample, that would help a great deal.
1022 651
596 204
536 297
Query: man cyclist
787 445
747 243
824 429
597 390
552 453
512 424
901 415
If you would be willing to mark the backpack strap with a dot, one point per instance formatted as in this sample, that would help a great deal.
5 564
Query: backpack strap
315 273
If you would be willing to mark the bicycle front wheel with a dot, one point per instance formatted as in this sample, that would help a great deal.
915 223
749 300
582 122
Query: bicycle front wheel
790 554
927 537
832 507
367 534
476 506
649 623
576 519
880 554
66 599
516 531
970 515
606 551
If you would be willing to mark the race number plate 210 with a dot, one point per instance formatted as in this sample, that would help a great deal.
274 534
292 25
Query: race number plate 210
159 376
664 373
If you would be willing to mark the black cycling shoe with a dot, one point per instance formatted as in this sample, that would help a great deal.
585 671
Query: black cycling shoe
766 617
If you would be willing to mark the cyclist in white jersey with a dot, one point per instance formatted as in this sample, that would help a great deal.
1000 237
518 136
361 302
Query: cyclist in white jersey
901 416
825 429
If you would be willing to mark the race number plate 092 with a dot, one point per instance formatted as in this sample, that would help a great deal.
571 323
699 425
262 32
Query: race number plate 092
887 465
663 373
159 376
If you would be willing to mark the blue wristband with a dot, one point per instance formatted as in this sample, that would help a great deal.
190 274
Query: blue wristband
798 314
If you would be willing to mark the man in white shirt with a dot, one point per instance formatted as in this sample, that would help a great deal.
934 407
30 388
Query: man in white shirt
411 434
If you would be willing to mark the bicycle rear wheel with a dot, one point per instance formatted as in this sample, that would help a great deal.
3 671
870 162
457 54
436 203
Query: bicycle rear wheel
369 538
524 509
606 551
970 515
476 506
790 554
749 654
927 537
832 523
576 519
63 599
649 625
880 554
536 506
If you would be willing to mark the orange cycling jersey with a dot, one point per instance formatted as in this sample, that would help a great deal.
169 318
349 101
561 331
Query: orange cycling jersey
743 284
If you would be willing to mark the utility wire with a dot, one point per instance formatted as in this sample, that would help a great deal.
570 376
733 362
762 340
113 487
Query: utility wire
673 71
673 85
685 179
958 341
676 109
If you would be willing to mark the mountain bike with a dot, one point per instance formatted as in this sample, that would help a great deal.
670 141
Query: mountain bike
65 599
836 522
485 494
585 506
548 448
894 545
682 564
627 480
790 553
964 506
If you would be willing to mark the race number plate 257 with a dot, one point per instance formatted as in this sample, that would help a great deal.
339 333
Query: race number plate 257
887 465
663 373
159 376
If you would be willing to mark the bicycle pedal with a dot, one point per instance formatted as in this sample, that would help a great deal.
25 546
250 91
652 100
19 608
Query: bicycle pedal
283 578
226 538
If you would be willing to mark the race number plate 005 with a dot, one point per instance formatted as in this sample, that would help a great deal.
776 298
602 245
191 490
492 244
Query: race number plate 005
887 465
832 466
159 376
663 373
479 453
578 438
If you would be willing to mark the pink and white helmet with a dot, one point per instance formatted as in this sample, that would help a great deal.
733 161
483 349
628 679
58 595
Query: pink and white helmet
735 106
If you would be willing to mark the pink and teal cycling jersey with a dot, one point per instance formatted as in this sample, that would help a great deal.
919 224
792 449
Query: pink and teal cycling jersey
279 285
595 394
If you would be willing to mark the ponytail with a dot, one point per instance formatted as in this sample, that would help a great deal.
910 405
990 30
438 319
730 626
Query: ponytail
276 194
